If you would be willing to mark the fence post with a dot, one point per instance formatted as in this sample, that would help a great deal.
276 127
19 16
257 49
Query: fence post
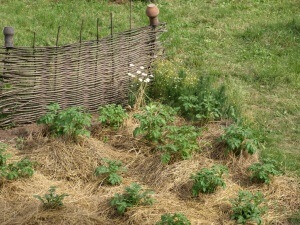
152 12
8 37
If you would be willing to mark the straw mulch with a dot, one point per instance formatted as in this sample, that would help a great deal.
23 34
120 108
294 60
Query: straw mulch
70 166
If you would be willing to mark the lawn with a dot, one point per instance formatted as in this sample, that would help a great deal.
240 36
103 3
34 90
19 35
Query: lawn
250 46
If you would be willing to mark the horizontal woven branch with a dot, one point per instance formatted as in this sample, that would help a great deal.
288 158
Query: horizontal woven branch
88 74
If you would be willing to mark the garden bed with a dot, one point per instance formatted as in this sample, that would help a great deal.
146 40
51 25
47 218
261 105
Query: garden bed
69 166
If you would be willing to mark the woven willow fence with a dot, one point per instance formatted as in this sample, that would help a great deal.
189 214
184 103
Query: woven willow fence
88 74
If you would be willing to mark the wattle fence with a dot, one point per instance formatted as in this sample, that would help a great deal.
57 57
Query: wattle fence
88 73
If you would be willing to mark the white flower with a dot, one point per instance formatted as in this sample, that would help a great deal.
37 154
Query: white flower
132 75
131 65
147 80
144 74
142 67
151 75
129 74
141 79
138 72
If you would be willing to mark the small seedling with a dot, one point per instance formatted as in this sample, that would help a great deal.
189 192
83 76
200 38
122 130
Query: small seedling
262 172
111 169
134 195
239 138
207 180
52 200
112 115
173 219
246 207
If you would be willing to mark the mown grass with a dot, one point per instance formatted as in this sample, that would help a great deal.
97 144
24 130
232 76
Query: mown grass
250 45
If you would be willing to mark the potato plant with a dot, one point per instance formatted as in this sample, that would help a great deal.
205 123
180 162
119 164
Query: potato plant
239 138
51 200
111 170
261 172
246 207
153 119
71 122
179 143
112 115
203 102
14 170
207 180
173 219
134 195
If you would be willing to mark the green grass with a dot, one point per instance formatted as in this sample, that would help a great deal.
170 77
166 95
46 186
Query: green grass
251 45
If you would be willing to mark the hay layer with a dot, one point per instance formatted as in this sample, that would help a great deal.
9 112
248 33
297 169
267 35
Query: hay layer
70 167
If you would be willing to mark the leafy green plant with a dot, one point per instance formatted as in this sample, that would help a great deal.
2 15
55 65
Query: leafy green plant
152 120
112 115
205 109
246 207
70 122
173 219
22 168
20 143
207 180
111 170
52 200
262 171
134 195
3 156
169 84
179 143
238 138
11 171
202 102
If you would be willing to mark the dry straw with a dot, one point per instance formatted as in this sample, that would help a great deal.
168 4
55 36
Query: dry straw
70 167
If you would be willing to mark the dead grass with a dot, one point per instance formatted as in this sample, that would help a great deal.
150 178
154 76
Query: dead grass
70 167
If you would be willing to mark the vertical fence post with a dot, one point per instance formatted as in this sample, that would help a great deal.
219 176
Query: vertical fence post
152 12
130 14
8 37
111 24
8 44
